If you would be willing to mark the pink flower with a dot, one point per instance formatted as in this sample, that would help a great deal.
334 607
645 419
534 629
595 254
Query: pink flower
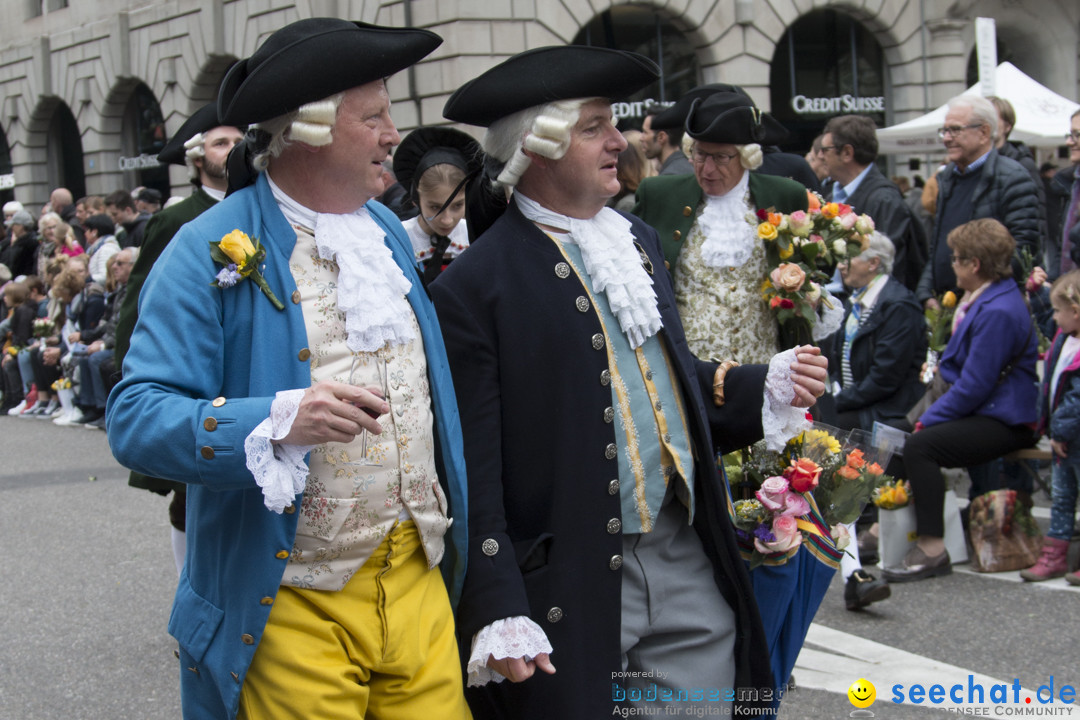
788 277
772 493
787 536
848 221
800 224
795 505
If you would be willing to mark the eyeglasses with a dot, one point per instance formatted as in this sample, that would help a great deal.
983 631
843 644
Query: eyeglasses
955 259
1074 136
719 159
827 148
954 130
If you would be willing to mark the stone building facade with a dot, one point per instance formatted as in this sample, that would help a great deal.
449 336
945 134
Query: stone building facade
89 90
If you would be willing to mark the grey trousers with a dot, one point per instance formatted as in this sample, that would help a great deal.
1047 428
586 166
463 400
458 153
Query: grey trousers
678 632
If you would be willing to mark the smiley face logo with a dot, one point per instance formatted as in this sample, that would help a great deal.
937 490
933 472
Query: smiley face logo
862 693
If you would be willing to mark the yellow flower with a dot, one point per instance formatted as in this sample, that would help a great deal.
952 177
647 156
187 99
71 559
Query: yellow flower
237 245
820 438
949 299
785 253
830 210
766 231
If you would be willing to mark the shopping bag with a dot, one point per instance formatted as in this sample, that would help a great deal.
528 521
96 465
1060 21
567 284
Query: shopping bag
896 533
1004 535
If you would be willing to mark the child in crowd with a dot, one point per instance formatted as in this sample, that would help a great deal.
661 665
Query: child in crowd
1060 417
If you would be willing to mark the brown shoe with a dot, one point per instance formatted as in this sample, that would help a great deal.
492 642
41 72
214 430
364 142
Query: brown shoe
917 566
1073 578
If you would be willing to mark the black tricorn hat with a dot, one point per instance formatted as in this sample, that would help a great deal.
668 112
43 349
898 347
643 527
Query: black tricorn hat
729 117
548 74
203 119
675 116
425 147
313 59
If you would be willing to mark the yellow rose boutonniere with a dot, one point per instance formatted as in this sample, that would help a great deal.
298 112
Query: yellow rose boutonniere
241 256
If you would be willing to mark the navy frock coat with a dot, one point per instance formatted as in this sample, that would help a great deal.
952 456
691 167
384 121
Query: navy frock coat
530 368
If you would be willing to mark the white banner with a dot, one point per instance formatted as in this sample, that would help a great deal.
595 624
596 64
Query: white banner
986 51
7 182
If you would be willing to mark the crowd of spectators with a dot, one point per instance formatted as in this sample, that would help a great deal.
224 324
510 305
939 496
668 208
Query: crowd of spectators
64 277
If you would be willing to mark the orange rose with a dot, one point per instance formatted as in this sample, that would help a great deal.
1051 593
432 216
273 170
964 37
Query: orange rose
855 459
875 469
788 277
775 219
848 473
813 202
802 475
830 210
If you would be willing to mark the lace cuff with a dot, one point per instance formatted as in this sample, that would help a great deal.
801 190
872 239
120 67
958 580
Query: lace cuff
779 419
513 637
279 470
829 318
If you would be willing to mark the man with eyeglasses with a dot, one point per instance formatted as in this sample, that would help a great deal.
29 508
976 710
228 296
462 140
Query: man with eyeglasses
977 183
715 257
1065 195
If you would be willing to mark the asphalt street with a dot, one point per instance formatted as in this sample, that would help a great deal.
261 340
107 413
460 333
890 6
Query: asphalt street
88 580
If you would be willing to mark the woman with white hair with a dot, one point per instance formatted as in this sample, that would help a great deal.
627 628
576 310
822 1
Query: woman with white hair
714 254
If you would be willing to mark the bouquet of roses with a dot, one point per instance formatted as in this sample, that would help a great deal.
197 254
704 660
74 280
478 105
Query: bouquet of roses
771 520
43 327
803 249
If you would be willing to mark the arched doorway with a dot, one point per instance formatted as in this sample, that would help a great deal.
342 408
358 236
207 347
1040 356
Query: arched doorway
644 30
7 174
64 165
826 64
142 138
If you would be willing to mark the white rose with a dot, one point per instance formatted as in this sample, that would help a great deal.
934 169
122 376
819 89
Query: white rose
839 248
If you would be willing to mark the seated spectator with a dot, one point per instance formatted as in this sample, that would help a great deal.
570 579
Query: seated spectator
101 245
23 311
47 246
632 168
876 355
20 253
46 401
95 361
68 241
120 206
988 408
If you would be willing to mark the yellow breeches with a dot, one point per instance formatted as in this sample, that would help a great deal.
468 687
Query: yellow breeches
381 648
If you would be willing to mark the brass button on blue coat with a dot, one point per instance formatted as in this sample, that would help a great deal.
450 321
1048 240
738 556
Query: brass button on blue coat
304 355
290 509
267 601
207 452
296 297
247 639
210 424
614 526
554 615
218 402
281 554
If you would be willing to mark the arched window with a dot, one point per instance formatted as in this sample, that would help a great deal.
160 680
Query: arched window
143 137
7 176
826 64
646 31
65 153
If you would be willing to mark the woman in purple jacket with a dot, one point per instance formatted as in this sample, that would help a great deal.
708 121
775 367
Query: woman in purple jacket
989 409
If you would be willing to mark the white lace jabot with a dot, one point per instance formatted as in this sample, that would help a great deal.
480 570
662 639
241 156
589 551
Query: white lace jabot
729 238
613 264
371 287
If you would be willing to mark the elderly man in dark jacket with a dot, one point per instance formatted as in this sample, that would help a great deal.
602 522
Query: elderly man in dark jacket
977 183
1065 195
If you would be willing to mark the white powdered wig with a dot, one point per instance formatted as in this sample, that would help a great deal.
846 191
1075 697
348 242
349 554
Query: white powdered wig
542 129
750 156
193 150
312 123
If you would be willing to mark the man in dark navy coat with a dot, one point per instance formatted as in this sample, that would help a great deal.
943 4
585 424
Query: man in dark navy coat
600 522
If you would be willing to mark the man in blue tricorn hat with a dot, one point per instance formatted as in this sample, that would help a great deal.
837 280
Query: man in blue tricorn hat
600 540
288 366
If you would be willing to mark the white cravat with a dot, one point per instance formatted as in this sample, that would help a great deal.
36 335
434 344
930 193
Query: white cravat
613 264
729 238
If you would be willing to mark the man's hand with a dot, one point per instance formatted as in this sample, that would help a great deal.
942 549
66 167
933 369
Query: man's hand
335 412
50 355
74 337
809 373
1060 449
518 669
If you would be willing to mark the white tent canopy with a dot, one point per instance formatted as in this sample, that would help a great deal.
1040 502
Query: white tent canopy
1042 117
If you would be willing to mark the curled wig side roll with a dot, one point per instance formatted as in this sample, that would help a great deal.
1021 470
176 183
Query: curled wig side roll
544 130
751 156
312 123
193 150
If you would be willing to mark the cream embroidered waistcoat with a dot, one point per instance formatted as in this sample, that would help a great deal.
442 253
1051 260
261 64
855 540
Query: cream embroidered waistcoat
352 501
